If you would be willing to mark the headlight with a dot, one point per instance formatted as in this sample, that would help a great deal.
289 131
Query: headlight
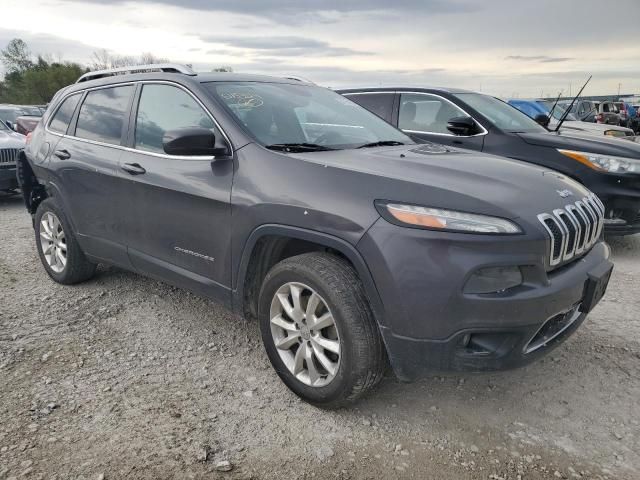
439 219
615 133
604 163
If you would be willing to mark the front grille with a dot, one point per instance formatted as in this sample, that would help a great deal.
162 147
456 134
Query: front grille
8 155
574 229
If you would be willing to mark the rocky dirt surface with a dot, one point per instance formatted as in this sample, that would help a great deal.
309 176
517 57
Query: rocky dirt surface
127 378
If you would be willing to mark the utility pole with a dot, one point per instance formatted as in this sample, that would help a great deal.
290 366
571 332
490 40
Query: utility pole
619 85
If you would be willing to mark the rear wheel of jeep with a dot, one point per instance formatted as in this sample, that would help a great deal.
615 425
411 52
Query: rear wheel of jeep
59 251
318 330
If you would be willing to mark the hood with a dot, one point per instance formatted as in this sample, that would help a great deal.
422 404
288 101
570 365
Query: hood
10 139
437 176
584 143
591 127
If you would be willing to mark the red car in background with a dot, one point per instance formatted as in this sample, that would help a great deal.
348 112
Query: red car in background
26 124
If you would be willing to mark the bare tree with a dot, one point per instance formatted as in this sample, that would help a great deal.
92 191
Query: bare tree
149 58
222 69
103 59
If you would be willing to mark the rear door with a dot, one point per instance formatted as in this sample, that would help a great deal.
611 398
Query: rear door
424 116
180 226
85 165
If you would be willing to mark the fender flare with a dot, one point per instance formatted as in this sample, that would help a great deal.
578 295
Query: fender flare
329 241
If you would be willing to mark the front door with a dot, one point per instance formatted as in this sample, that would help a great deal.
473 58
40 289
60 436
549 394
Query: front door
424 116
181 227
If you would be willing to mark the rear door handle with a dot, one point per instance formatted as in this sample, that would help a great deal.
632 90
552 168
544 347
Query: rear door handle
62 154
133 168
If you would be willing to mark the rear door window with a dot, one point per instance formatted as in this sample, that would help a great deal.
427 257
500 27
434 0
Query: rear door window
379 103
163 108
62 117
104 113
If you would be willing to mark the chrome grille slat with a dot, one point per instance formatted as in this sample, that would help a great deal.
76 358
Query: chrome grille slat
574 229
579 222
8 155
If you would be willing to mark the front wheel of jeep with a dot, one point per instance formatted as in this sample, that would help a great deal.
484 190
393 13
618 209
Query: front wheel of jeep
318 330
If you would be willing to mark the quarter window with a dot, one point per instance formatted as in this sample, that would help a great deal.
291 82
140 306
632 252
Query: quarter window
103 114
426 113
163 108
379 103
62 117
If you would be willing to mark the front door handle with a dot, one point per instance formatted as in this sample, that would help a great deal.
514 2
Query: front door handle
62 154
133 168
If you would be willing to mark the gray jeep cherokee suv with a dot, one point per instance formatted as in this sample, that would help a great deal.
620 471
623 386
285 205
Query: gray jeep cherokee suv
353 246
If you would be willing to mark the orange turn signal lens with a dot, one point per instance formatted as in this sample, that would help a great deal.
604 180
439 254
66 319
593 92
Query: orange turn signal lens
580 157
450 220
418 219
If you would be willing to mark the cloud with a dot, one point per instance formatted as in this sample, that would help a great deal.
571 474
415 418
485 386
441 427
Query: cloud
283 10
538 58
288 46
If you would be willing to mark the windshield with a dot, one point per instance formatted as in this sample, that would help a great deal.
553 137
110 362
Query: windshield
10 114
501 114
307 117
558 112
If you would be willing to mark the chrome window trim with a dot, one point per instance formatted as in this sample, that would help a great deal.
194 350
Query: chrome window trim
136 150
484 130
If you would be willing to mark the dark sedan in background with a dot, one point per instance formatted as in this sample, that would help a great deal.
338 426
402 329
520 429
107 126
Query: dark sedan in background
475 121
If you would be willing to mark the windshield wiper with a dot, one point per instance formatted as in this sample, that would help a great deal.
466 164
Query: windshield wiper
298 147
381 143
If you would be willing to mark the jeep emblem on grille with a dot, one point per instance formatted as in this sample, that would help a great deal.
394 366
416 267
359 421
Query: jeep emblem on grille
564 193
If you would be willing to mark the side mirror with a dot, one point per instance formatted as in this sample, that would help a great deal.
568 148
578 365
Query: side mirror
461 126
191 142
542 119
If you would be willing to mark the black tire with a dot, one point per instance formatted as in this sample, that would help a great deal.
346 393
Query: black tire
362 355
78 268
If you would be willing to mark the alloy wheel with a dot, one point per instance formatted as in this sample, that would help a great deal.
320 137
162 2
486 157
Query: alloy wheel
305 334
53 242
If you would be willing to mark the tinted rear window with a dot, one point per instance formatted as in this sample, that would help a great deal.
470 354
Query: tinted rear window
102 114
62 117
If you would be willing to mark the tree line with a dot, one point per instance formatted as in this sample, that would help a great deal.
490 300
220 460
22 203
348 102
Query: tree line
33 79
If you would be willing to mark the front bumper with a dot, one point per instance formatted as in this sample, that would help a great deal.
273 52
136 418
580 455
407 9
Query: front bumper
431 325
8 180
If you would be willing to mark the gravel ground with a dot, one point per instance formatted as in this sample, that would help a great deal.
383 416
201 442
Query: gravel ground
126 377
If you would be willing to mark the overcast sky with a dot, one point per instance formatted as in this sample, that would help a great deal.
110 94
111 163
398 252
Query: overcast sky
504 47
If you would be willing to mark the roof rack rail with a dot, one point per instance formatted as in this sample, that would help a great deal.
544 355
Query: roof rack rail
156 67
298 79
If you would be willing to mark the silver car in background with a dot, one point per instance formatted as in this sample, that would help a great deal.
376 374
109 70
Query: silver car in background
10 145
